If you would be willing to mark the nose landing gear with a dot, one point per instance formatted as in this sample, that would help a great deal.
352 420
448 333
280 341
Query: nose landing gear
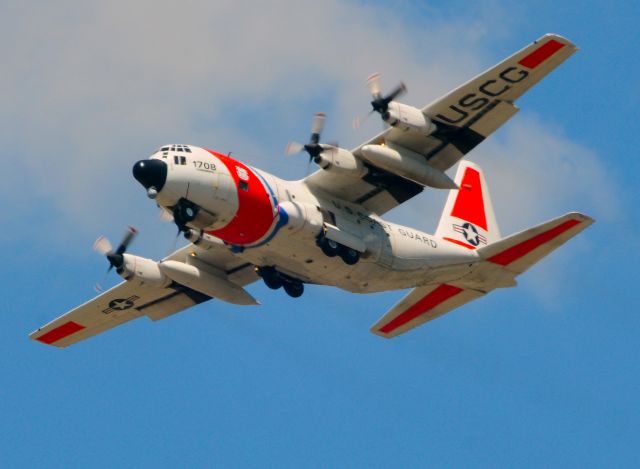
183 213
274 280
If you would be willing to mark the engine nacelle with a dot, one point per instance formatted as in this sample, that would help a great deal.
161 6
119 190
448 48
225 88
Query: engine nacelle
340 161
203 240
408 165
408 118
142 270
215 285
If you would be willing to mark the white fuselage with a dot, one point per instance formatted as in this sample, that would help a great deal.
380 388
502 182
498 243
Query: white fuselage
272 222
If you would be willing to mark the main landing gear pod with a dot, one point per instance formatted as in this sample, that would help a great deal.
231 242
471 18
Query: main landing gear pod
335 242
332 248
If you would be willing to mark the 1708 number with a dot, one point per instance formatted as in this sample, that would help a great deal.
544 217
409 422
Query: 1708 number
204 165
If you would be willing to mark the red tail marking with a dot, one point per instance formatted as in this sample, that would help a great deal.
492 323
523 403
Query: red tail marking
541 54
455 241
433 299
469 205
513 253
60 332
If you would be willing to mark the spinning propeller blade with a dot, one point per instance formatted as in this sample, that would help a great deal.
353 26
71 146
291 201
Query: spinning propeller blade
115 258
379 104
313 147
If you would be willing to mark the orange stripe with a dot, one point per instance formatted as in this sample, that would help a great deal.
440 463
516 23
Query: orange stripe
516 252
60 332
460 243
433 299
541 54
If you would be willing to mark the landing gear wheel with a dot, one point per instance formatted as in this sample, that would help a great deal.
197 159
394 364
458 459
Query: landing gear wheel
271 279
294 289
329 247
186 212
349 256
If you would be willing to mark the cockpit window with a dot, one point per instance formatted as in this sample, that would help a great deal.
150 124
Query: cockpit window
176 148
181 160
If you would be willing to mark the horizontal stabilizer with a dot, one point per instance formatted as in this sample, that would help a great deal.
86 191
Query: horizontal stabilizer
520 251
422 304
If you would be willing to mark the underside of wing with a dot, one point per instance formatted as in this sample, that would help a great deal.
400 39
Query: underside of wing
133 299
463 118
116 306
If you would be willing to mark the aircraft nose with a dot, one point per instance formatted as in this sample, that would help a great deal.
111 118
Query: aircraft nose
151 173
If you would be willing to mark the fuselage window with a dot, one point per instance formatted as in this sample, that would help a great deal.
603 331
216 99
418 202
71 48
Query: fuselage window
244 185
183 160
175 159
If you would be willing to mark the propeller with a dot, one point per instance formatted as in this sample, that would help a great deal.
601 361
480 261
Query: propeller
313 147
115 258
379 104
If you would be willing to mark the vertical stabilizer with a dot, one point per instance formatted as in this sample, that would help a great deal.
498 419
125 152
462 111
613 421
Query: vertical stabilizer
468 218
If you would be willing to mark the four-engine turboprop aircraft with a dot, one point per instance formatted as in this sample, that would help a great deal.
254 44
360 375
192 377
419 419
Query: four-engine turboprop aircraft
244 224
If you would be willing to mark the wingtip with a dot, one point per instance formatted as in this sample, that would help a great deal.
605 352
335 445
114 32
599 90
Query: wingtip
374 330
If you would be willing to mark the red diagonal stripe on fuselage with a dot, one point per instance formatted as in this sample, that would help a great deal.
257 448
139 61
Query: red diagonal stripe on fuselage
455 241
430 301
60 332
541 54
514 253
256 213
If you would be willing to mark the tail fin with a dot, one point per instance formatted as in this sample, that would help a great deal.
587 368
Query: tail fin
468 219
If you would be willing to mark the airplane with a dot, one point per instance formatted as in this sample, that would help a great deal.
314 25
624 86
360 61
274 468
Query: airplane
244 224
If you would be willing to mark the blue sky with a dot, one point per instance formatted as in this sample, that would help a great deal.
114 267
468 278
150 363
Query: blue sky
543 374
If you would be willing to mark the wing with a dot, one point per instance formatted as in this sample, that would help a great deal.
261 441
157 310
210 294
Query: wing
422 304
464 118
130 300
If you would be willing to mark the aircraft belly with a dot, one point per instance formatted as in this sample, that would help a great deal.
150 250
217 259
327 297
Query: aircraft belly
302 259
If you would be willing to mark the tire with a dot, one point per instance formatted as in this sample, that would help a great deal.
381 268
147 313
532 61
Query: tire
329 247
271 279
187 212
349 256
294 289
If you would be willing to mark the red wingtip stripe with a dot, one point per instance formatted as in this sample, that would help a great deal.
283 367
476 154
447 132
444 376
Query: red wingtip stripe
455 241
430 301
516 252
60 332
541 54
